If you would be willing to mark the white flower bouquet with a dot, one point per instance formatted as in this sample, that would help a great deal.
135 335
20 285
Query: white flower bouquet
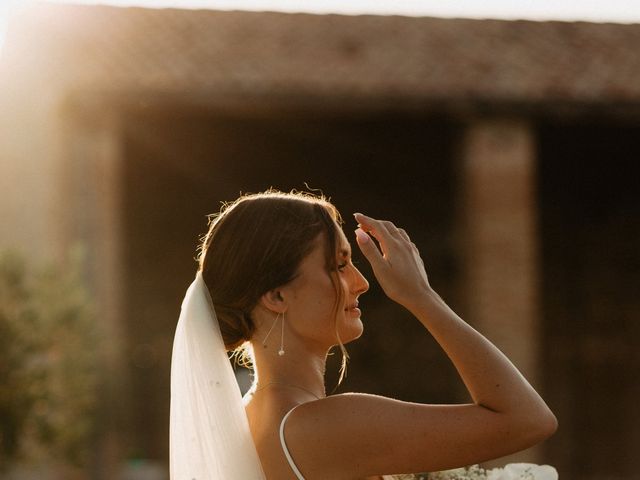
523 471
512 471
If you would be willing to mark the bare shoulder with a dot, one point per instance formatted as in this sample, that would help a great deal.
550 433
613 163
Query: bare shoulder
349 410
356 435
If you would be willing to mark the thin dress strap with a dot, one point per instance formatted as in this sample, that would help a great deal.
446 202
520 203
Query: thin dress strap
288 455
285 449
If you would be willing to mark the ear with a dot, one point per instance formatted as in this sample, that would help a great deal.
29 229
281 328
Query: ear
274 301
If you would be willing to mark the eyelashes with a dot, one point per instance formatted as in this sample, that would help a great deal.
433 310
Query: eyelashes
341 266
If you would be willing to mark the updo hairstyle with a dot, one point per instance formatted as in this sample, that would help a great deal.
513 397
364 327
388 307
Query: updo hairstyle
255 245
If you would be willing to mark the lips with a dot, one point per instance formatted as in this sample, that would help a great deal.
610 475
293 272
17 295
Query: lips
353 310
353 306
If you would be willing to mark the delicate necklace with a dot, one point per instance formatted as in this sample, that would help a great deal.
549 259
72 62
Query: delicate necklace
285 385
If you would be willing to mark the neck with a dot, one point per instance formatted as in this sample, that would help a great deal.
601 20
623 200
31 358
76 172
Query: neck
286 385
300 369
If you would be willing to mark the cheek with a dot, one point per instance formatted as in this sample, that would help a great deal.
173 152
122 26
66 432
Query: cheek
329 289
316 301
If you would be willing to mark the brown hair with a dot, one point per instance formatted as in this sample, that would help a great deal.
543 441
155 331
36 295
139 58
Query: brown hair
256 244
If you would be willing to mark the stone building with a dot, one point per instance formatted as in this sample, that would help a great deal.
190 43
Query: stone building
508 148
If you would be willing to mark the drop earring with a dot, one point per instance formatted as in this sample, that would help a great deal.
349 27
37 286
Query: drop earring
281 351
264 342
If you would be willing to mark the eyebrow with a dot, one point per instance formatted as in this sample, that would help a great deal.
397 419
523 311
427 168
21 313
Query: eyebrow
345 252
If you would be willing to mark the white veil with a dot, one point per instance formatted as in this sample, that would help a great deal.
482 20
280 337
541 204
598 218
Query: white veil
209 430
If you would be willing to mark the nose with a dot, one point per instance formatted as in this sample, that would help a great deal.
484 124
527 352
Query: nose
359 283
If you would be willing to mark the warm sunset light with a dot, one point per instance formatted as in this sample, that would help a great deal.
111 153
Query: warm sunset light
619 11
611 11
615 10
486 295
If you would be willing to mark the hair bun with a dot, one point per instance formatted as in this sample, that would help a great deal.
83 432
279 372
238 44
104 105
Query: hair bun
236 326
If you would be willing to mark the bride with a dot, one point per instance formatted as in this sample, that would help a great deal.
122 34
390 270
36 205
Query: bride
276 276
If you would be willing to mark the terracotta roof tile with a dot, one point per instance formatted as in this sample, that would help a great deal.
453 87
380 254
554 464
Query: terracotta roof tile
100 47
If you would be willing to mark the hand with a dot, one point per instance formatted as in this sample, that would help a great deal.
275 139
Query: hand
396 264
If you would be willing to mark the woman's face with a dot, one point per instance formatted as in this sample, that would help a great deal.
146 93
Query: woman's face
311 296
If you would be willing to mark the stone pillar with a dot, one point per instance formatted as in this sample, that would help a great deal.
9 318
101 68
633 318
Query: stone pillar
500 242
91 180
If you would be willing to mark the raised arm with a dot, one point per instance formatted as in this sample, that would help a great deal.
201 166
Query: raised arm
492 380
365 434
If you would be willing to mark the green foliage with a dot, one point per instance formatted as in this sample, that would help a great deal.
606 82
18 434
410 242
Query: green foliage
48 362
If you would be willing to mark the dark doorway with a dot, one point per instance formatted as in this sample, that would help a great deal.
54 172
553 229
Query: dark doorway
591 233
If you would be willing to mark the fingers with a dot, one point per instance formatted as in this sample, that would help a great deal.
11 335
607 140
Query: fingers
380 228
390 227
368 248
376 229
397 264
383 231
404 234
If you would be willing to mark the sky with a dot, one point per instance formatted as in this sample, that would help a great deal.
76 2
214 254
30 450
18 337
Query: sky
619 11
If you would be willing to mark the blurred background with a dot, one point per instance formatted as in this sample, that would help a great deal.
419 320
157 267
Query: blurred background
507 148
